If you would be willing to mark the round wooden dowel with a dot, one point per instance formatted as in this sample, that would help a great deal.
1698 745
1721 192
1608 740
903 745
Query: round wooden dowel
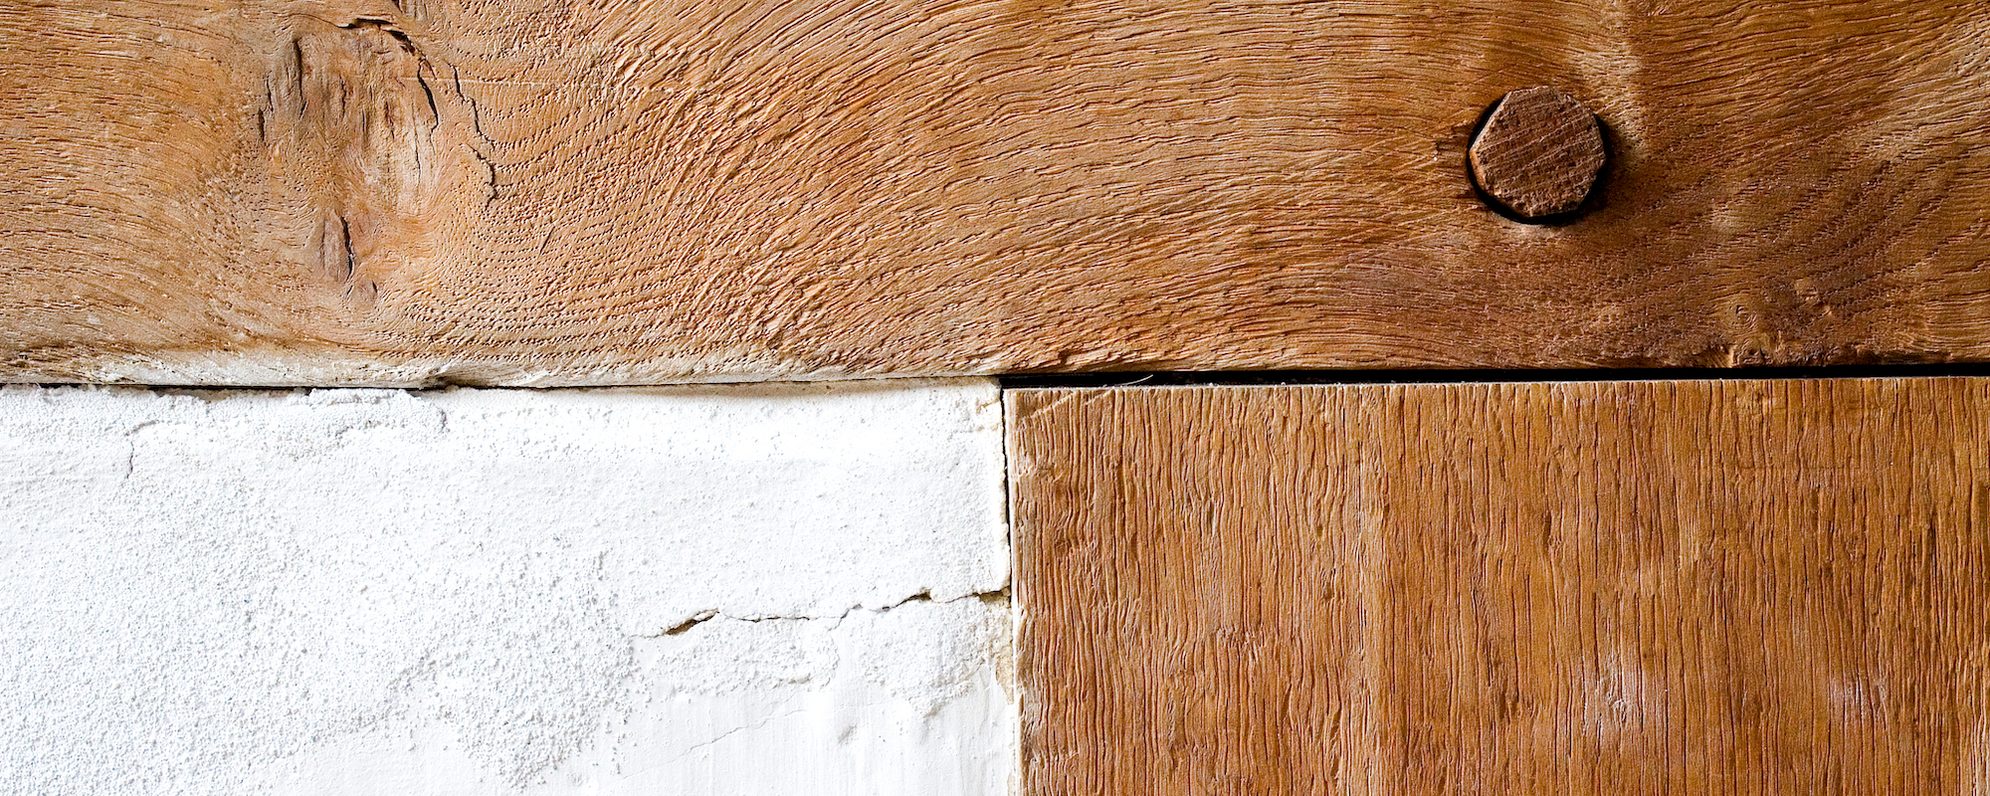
1538 155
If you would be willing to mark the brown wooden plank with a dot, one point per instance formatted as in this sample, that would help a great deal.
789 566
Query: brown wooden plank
1610 588
531 191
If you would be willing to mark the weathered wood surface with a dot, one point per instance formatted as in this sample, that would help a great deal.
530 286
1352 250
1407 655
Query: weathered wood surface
1628 588
527 191
1538 154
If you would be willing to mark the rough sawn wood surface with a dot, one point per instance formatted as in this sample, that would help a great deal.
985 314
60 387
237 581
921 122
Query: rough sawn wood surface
1577 588
541 192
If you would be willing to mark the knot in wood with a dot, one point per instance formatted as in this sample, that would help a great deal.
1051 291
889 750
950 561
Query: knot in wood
1538 154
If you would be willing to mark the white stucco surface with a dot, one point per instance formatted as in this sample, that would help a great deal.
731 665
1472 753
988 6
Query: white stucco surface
742 590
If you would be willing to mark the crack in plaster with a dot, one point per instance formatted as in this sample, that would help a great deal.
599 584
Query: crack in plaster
832 620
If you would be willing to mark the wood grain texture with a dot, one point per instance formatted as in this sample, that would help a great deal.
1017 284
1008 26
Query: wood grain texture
1538 153
1579 588
610 191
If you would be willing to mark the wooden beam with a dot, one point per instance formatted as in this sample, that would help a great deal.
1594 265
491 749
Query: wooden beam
539 192
1576 588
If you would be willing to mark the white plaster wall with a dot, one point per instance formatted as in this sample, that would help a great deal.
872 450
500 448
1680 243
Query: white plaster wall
744 590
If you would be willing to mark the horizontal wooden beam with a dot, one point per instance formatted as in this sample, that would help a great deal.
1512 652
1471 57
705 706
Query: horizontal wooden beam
538 192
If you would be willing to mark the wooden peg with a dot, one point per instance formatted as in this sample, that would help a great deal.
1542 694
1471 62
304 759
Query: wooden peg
1538 155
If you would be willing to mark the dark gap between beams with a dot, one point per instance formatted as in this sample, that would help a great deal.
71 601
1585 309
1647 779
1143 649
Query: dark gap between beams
1484 375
